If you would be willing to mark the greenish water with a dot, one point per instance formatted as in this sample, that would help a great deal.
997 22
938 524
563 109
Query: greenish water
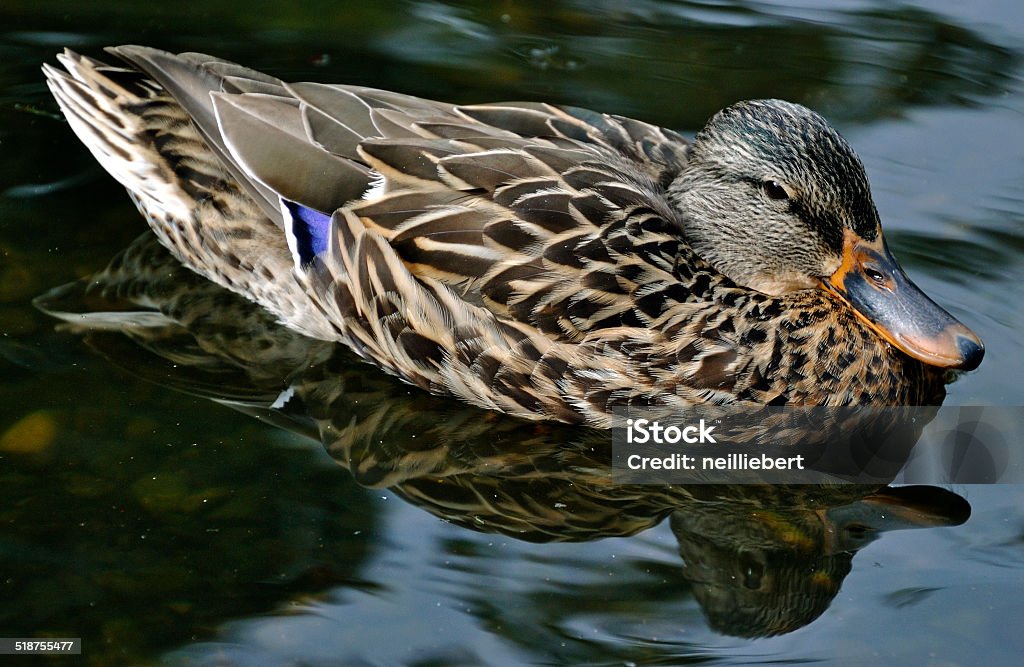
162 526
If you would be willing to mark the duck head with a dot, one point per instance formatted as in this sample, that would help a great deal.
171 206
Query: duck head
775 199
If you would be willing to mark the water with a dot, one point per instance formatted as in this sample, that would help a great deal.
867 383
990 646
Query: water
162 526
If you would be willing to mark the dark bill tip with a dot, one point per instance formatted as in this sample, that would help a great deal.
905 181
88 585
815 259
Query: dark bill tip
972 351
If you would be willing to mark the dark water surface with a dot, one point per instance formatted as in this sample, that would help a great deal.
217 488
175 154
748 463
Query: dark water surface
162 526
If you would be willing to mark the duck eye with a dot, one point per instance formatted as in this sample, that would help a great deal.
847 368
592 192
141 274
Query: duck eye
875 276
774 190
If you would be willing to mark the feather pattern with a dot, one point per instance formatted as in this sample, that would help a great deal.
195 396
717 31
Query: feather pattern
522 257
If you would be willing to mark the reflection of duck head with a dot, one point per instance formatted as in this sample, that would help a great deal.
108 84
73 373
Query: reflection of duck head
762 560
767 568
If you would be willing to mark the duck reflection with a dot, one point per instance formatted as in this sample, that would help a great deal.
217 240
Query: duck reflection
761 560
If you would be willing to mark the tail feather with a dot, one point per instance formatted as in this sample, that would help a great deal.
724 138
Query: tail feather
148 142
92 97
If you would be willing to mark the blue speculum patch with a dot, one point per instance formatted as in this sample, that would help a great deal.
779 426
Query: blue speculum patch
310 228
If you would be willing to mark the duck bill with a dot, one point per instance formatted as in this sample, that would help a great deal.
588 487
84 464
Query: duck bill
875 286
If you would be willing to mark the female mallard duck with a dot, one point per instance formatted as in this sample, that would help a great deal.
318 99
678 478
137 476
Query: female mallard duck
549 262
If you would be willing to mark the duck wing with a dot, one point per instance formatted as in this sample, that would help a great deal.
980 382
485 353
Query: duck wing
551 216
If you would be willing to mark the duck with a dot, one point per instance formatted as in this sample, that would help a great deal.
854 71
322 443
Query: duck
544 261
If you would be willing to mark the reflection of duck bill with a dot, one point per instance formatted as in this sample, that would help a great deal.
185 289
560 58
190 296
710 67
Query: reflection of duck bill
873 283
853 525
